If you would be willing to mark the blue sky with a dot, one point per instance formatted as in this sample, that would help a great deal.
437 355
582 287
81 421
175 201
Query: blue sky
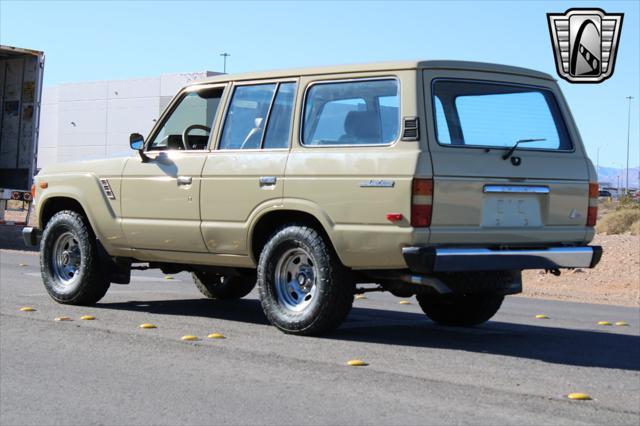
94 40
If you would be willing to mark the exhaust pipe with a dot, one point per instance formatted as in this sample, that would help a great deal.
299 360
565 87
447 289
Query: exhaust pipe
426 281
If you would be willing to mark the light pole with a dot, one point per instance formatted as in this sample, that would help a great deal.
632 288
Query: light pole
626 191
225 55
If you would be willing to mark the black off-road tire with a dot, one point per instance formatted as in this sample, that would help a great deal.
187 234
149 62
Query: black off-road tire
224 287
91 283
460 310
335 287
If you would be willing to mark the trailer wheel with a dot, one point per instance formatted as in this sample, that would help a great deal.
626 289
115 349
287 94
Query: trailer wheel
69 261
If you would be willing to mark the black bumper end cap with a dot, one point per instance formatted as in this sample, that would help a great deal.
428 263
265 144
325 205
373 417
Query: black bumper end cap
30 236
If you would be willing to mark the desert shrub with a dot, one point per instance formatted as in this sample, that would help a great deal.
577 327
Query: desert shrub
618 221
635 228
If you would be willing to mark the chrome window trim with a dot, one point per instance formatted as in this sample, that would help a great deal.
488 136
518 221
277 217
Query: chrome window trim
350 80
498 83
515 189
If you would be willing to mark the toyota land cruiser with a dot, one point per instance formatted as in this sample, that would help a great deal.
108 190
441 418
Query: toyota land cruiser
439 179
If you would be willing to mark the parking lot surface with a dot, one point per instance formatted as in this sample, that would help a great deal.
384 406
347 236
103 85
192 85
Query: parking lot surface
516 369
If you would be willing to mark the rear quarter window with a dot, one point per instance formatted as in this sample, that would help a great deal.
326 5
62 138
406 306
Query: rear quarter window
363 112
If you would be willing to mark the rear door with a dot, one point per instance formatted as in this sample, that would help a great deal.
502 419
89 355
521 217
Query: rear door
536 195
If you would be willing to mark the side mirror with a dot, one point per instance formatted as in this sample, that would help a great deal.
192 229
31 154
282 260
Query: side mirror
136 141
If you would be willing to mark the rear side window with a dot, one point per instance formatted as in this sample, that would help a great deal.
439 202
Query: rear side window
246 116
352 113
483 114
279 125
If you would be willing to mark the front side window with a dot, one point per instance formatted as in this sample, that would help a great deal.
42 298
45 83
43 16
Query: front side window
189 124
352 113
482 114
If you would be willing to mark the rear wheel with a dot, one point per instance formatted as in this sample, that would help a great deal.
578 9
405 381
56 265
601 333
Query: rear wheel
304 289
460 310
69 261
220 286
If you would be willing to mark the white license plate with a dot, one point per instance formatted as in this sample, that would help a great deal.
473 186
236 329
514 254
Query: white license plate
522 210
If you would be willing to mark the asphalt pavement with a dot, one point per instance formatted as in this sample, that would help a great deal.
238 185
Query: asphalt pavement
515 369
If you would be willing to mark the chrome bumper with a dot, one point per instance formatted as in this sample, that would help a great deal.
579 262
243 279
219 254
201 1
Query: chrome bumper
432 259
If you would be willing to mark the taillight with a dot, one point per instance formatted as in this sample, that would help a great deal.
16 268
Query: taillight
592 212
421 202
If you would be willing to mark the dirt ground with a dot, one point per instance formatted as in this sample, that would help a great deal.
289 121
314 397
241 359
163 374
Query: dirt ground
615 281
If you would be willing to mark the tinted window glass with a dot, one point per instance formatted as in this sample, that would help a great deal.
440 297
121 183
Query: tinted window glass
485 114
352 113
195 113
246 117
279 126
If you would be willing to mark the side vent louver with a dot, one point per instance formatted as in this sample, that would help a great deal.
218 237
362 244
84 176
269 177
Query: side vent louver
107 189
410 130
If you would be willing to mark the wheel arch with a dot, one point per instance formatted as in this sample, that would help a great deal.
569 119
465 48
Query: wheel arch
265 225
55 204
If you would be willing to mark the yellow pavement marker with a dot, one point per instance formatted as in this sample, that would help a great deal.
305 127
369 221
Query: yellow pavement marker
622 323
404 302
604 323
542 316
147 325
27 309
360 297
216 336
62 319
168 277
579 396
87 317
189 338
357 363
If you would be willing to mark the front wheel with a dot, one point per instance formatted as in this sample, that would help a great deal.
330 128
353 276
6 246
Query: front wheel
69 261
460 310
220 286
304 289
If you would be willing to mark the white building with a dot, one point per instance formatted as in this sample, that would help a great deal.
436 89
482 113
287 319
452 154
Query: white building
83 121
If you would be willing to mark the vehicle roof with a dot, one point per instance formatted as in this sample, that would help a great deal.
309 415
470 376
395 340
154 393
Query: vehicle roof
379 66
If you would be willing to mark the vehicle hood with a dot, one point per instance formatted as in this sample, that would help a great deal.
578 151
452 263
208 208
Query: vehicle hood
104 167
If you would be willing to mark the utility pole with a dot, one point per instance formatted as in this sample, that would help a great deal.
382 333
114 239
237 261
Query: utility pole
626 192
225 55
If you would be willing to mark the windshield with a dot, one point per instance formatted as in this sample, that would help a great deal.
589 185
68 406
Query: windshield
481 114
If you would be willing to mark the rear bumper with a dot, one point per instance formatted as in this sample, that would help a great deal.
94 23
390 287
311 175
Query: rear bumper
30 236
431 259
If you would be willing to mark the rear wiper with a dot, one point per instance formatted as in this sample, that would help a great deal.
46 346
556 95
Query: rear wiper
513 148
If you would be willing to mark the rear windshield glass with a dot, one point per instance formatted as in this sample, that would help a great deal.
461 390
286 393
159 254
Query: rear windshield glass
481 114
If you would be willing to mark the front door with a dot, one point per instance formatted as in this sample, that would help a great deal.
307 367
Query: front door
161 196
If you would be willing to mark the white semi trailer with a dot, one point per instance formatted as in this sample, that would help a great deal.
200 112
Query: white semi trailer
21 73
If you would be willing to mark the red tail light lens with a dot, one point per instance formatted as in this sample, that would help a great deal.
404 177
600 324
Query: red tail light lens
592 216
592 212
421 203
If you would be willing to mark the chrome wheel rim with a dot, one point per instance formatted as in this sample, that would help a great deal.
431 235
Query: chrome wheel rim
296 276
66 262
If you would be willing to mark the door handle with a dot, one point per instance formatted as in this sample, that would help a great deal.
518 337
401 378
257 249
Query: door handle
267 181
185 180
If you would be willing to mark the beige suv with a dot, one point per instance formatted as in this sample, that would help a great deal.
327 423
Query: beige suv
439 179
